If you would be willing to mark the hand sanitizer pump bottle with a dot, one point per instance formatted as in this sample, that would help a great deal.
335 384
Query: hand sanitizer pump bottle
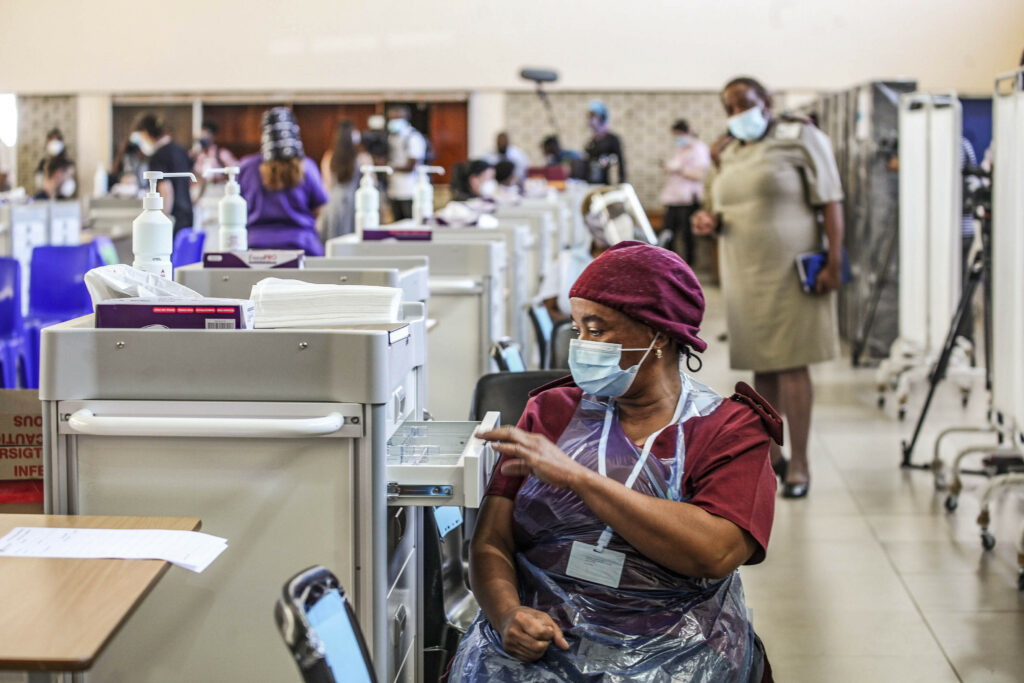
423 197
368 199
233 212
152 231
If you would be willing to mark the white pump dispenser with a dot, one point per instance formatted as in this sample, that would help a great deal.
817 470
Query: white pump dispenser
232 211
368 199
423 197
152 231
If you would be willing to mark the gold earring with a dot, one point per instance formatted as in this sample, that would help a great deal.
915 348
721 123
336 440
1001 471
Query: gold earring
657 353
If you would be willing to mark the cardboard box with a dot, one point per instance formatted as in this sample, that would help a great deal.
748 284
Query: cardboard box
21 434
176 313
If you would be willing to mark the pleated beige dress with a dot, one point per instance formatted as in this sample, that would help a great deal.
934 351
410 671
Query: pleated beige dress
767 195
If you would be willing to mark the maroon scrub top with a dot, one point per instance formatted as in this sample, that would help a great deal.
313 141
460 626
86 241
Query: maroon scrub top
727 471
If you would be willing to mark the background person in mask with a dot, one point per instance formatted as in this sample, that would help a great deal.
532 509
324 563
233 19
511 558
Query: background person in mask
59 182
604 151
685 170
473 188
208 154
773 178
561 274
596 549
55 149
407 149
166 155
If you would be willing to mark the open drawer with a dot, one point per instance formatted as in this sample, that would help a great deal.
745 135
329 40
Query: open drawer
439 463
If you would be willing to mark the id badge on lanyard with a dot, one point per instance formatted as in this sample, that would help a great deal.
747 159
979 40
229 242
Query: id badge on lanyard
596 563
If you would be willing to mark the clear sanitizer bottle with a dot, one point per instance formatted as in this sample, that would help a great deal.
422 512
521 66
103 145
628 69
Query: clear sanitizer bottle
368 199
232 211
153 231
423 197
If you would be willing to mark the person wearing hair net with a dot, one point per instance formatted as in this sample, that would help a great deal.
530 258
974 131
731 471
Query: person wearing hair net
283 188
604 151
625 501
774 179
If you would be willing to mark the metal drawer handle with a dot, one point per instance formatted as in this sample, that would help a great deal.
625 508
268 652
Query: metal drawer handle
85 422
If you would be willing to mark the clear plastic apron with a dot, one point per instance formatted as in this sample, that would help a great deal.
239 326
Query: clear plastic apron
657 625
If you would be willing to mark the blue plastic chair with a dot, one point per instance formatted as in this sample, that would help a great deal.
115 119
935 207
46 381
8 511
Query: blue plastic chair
188 247
57 292
12 332
106 252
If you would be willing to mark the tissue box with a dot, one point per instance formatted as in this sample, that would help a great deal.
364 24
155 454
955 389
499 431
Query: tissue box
175 313
262 259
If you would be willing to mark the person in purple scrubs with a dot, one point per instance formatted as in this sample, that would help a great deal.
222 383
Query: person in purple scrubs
283 188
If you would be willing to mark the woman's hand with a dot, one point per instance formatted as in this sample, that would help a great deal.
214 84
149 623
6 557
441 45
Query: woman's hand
526 633
828 280
703 223
534 454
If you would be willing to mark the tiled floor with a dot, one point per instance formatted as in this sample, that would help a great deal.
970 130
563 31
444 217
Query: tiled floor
870 579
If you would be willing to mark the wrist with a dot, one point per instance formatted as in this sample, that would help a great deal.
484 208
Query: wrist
581 480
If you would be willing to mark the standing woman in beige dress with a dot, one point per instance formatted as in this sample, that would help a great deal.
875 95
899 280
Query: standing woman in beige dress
773 178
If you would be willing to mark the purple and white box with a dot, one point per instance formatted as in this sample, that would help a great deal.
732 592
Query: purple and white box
175 313
261 259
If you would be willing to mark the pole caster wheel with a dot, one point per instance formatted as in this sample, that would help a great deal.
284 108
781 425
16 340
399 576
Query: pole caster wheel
902 414
881 402
952 501
1020 581
988 541
965 399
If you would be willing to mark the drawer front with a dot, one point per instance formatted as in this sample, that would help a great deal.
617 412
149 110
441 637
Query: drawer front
443 477
403 608
402 525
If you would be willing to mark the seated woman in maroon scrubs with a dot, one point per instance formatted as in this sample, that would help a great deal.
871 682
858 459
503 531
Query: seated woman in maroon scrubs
625 501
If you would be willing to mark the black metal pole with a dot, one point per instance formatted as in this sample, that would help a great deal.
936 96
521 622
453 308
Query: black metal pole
942 364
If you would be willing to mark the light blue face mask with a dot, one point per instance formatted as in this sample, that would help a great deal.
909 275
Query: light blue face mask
683 140
748 125
595 367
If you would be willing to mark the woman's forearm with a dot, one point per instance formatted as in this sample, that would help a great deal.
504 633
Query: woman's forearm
833 214
492 569
680 536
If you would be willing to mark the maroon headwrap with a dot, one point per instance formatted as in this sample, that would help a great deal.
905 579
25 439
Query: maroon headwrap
649 284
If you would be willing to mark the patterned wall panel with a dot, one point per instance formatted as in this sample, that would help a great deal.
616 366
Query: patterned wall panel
36 116
641 119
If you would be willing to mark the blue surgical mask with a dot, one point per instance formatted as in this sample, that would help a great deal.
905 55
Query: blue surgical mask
396 126
748 125
682 140
595 367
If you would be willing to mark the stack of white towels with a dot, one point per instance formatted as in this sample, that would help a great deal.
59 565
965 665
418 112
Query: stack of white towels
293 303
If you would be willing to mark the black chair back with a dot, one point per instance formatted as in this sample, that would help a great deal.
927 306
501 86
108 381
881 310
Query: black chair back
508 392
560 338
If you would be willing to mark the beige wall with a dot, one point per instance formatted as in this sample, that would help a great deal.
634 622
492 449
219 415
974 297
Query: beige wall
357 45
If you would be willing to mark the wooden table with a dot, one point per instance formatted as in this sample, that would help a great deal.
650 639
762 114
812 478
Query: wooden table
59 614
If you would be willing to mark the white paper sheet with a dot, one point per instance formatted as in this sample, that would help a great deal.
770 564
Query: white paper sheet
189 549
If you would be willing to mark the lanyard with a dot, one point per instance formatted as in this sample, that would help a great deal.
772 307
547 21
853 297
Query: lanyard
606 535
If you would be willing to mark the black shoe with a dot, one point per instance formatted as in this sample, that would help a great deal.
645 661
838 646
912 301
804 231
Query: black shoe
781 468
797 490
